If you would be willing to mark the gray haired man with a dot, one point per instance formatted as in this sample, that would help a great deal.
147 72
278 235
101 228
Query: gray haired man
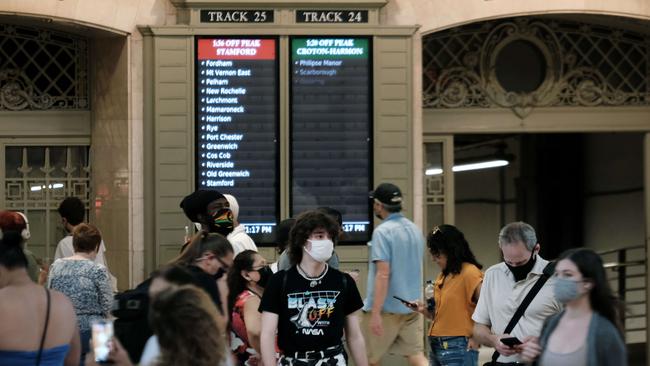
505 285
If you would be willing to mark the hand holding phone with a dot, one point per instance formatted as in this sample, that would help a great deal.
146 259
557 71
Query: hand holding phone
407 303
102 335
511 341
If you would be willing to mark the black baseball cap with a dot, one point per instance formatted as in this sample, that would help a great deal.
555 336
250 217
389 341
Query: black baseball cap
388 194
197 203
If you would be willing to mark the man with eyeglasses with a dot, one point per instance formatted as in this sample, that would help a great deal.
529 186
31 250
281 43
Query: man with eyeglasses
505 286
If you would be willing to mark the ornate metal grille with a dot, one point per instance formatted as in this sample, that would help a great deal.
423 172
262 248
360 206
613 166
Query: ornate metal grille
585 65
37 179
42 69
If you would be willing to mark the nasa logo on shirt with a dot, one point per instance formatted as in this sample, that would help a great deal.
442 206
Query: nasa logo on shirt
315 308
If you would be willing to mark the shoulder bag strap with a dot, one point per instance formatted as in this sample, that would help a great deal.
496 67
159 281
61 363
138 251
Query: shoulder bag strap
546 274
284 282
47 321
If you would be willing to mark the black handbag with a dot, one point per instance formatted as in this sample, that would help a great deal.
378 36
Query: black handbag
546 274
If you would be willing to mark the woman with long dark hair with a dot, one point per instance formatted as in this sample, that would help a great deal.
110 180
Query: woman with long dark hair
37 325
588 331
246 281
208 257
456 292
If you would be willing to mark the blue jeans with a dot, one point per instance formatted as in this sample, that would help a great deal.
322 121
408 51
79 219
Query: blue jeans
451 351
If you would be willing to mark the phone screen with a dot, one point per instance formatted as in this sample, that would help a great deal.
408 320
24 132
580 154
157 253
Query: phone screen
511 342
407 303
102 336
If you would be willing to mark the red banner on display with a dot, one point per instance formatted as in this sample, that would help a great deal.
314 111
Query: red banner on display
236 49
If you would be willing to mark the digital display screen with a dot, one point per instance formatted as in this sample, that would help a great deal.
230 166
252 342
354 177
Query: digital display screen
237 127
331 118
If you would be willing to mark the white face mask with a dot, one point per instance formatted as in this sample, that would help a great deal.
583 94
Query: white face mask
321 250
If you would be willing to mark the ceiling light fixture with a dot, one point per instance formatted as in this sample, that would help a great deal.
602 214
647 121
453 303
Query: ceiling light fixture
49 186
471 166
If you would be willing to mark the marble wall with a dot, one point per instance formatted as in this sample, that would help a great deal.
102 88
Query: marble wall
121 16
110 150
441 14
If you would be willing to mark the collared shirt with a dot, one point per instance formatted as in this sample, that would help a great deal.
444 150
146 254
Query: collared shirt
240 241
501 296
400 243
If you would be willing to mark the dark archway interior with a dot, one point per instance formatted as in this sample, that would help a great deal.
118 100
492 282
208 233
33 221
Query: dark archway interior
575 189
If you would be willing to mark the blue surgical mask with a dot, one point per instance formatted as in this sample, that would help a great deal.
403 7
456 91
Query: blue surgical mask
566 290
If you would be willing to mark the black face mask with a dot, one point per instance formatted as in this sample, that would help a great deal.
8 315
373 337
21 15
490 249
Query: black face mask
265 274
223 269
220 272
221 222
520 272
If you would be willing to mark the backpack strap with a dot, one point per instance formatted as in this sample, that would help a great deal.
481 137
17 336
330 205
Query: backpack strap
284 281
546 274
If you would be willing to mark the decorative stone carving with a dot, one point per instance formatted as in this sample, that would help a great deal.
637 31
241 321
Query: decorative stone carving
573 72
539 35
17 93
42 69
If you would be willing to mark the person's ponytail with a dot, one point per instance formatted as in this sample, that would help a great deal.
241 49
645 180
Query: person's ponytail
11 251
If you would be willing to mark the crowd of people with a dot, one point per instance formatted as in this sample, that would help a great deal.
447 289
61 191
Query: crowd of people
220 302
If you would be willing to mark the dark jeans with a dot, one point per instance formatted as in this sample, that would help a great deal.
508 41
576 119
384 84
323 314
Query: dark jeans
451 351
84 336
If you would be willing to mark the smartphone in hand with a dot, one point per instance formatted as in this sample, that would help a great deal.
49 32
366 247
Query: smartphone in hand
102 335
407 303
511 341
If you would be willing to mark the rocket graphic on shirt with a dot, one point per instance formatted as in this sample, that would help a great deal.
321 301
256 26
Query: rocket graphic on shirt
314 310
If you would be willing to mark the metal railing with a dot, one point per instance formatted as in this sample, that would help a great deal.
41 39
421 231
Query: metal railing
627 274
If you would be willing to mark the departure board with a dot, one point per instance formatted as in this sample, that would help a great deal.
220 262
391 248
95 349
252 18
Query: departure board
331 128
237 126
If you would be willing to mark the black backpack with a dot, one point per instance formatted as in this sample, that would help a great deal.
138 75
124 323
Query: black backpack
131 308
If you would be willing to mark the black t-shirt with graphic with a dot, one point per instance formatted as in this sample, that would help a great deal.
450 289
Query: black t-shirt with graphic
310 318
